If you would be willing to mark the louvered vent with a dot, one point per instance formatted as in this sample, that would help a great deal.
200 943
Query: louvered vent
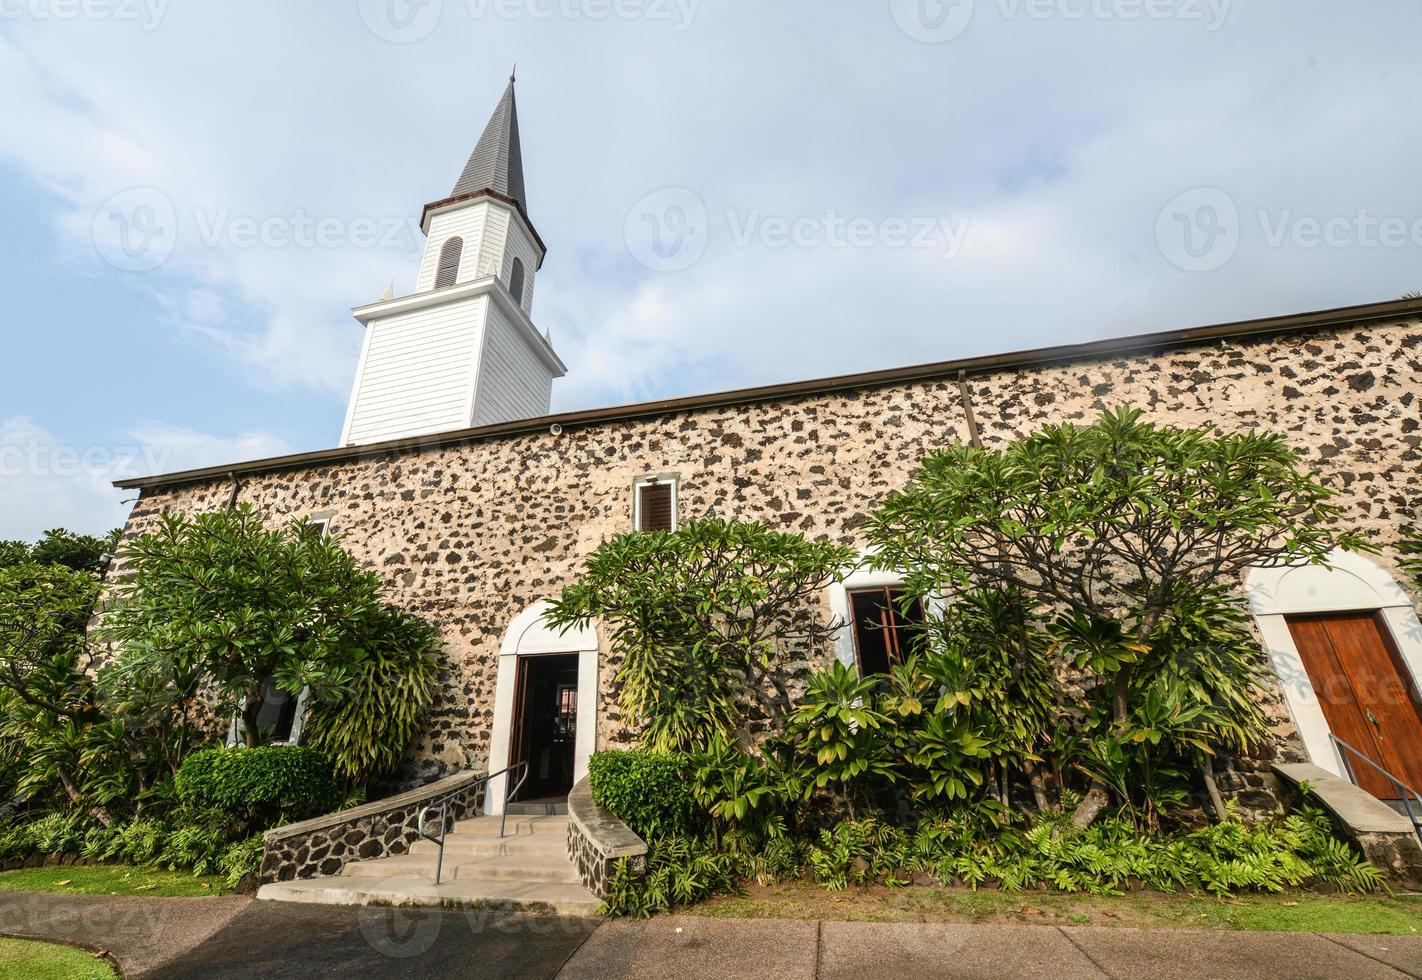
448 270
656 506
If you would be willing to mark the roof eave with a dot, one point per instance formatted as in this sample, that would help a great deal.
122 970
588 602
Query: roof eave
1097 349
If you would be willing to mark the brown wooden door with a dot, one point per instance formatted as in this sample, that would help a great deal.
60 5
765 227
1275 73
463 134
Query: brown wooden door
1366 693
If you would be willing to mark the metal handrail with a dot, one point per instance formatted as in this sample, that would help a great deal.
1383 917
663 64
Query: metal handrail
1407 794
444 812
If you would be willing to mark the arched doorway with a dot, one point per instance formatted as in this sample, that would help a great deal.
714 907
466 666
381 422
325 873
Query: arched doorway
545 706
1346 645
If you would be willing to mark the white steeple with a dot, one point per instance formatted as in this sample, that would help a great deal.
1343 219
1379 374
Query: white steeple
461 350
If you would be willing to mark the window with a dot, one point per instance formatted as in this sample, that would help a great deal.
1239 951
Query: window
883 627
280 718
654 507
516 281
318 527
448 271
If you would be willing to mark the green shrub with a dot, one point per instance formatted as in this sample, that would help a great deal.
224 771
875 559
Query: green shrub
241 859
260 787
648 791
681 870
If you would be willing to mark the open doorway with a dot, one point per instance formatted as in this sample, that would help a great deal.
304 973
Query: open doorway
545 726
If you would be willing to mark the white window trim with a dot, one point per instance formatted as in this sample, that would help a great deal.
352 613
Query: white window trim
237 730
1348 583
867 576
645 481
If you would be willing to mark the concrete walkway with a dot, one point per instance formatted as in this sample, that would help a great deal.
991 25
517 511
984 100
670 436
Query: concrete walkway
734 948
218 938
141 933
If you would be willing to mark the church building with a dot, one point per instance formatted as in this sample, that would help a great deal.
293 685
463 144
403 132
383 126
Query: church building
476 505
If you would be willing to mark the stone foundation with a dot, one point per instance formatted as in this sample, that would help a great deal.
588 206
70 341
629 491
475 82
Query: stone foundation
322 847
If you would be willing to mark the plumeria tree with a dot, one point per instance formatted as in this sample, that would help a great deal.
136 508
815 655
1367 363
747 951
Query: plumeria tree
1114 528
707 618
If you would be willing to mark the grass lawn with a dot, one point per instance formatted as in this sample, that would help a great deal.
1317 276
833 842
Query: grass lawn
1293 912
109 879
24 959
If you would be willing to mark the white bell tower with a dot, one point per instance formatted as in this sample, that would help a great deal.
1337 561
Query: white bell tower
461 350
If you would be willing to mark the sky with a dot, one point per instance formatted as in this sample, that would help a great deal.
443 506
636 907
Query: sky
194 195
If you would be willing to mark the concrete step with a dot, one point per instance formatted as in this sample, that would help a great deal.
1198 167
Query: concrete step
537 808
516 825
476 845
550 898
516 867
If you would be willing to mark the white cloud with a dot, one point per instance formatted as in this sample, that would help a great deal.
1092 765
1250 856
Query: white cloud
1058 140
47 482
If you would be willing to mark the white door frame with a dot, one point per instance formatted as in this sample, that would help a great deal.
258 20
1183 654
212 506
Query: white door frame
1348 583
530 636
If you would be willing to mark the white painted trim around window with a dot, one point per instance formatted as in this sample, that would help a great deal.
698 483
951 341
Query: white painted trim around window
867 576
530 636
236 729
1348 583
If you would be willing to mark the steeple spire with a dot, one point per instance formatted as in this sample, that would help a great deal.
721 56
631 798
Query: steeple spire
497 161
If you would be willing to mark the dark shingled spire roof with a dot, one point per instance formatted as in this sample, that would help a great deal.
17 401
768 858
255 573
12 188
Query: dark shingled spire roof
497 162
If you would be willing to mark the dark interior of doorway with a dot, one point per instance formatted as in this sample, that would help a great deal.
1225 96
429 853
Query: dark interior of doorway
545 725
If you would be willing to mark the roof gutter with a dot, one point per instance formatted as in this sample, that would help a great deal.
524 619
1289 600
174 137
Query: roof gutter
1097 349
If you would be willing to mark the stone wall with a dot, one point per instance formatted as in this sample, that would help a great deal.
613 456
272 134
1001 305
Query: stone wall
469 535
322 846
597 840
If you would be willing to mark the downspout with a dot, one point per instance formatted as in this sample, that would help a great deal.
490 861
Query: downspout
236 486
966 394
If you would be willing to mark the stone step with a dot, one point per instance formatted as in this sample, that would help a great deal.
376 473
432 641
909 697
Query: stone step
550 898
518 867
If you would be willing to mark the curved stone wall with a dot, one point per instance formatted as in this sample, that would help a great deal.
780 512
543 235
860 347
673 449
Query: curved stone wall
597 839
322 846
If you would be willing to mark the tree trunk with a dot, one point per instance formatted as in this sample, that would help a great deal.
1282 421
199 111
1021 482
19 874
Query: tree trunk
1039 789
94 810
1207 769
1095 800
251 734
